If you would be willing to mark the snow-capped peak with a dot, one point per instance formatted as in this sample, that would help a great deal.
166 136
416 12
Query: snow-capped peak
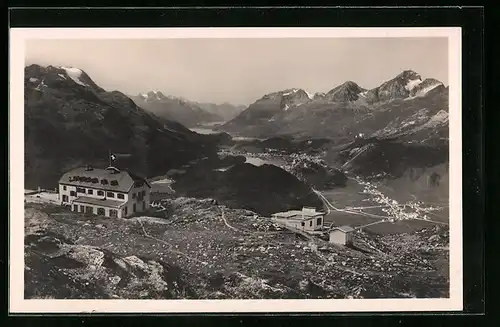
290 92
74 74
424 87
157 94
310 95
412 83
363 94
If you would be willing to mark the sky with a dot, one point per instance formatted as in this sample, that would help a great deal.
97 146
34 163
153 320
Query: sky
240 71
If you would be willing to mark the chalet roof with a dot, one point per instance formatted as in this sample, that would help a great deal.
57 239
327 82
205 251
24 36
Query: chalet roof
106 179
345 229
99 202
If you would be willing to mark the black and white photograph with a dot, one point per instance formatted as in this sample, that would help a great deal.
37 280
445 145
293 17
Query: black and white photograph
172 169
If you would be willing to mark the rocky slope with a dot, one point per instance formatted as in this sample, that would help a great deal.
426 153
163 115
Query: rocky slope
70 121
177 109
203 251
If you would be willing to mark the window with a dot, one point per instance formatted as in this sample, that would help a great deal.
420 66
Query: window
64 187
141 195
318 221
134 208
120 196
80 190
302 224
143 206
72 193
89 210
104 181
310 223
110 195
100 192
113 213
125 211
65 198
75 207
133 195
101 211
90 191
82 208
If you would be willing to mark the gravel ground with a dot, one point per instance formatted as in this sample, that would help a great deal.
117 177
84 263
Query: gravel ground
216 252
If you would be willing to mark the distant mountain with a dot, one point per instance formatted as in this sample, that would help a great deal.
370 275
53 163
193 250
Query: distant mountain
224 110
261 113
177 109
343 112
399 87
349 91
71 121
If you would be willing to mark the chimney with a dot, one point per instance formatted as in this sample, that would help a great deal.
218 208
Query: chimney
88 168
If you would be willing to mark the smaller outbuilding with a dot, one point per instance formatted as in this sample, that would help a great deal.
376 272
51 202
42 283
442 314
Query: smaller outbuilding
341 235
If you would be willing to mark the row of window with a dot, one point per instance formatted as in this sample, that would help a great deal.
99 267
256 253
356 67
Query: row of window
91 192
94 180
90 210
102 211
318 222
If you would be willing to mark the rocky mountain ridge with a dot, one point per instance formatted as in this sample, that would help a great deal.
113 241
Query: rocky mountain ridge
70 121
337 113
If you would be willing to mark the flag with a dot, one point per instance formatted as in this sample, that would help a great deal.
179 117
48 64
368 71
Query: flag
114 156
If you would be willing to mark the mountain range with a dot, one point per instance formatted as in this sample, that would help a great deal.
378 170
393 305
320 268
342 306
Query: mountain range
217 218
404 102
188 113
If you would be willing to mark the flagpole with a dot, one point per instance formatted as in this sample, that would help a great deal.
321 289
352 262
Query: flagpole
109 157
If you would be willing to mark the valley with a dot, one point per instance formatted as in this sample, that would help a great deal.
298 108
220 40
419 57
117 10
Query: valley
375 160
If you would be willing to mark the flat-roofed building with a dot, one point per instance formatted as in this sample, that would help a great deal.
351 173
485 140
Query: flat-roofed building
307 219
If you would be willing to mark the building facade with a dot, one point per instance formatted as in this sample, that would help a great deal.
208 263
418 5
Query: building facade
307 219
105 192
341 235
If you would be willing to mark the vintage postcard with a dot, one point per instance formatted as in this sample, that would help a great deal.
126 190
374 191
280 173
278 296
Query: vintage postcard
235 170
